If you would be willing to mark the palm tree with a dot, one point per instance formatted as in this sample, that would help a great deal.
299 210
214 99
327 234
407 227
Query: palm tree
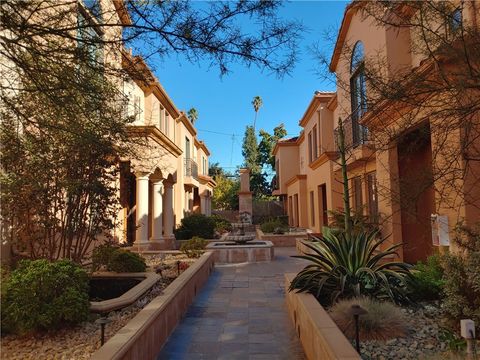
257 104
192 115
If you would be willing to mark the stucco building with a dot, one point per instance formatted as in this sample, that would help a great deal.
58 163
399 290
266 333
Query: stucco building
167 178
397 170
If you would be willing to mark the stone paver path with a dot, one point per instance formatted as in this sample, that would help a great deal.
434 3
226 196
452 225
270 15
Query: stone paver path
239 314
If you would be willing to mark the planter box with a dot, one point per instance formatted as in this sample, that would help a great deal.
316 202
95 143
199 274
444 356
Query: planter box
320 337
301 248
144 336
129 297
280 240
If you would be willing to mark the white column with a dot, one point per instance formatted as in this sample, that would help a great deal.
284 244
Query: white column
168 211
209 206
203 205
142 209
157 221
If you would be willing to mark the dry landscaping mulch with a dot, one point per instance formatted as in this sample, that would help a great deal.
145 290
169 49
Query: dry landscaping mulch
81 341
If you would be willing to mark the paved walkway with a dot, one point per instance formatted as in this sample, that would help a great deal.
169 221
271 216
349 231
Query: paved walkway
239 314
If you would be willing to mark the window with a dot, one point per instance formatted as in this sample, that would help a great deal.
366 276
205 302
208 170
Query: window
161 115
358 87
322 204
290 211
357 194
455 20
297 212
310 154
136 107
315 142
94 7
187 148
372 196
204 165
167 123
90 45
312 208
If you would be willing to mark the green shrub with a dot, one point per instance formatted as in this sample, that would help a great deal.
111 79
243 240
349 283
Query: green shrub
101 256
461 298
196 225
43 295
194 247
382 321
360 222
343 267
274 226
221 225
126 261
427 279
116 259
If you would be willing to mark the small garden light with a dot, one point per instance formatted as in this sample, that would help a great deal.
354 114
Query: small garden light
356 311
103 321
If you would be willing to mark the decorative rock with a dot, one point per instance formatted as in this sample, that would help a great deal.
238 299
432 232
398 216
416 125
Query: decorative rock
421 339
83 340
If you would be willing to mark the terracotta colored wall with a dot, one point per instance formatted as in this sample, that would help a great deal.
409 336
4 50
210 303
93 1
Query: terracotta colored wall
288 165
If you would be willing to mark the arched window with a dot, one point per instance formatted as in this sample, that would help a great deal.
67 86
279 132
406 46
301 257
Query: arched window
357 81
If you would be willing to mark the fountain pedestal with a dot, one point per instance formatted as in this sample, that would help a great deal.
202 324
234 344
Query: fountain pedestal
245 195
227 252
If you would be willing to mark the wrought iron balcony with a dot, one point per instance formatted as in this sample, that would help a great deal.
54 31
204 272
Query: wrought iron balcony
355 133
190 168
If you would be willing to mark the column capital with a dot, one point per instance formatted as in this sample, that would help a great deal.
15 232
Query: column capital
157 182
141 175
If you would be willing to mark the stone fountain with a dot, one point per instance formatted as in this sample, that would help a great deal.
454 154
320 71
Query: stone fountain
240 245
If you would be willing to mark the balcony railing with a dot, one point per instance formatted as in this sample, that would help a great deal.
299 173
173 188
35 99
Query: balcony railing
355 133
190 168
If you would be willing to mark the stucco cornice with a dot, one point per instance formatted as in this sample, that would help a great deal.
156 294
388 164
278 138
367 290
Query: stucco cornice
316 100
122 12
188 124
159 137
200 144
146 80
342 34
332 104
295 178
207 180
322 159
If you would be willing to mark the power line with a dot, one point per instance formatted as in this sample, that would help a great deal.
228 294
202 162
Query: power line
218 132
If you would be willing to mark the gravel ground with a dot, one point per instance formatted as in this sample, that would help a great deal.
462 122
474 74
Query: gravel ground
81 341
422 340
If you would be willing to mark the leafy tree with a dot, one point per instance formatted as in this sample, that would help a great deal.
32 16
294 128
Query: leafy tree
250 150
257 103
192 115
225 196
215 170
267 143
59 156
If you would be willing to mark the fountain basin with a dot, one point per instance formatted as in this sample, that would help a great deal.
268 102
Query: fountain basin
227 252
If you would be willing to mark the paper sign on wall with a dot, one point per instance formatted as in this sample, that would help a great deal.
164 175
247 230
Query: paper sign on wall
440 235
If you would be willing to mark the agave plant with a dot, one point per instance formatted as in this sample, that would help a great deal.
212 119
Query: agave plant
347 266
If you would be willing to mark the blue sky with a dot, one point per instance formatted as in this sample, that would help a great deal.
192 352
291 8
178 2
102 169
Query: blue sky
224 104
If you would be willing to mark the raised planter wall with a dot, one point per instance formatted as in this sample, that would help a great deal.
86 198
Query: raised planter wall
280 240
320 337
144 336
301 248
